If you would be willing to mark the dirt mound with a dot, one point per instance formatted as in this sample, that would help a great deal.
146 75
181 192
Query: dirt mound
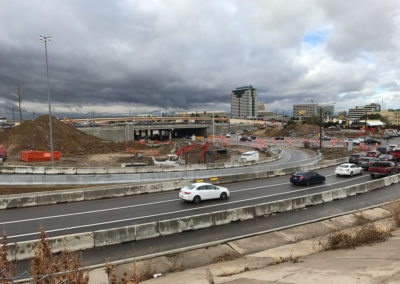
291 130
34 135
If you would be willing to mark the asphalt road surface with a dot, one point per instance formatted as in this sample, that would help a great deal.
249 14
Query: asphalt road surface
24 223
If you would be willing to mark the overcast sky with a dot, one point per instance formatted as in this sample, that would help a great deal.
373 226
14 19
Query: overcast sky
127 56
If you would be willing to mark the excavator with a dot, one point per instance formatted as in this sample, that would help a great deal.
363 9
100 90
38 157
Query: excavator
175 159
195 146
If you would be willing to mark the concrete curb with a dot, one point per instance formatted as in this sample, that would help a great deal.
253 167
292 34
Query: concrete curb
178 225
85 194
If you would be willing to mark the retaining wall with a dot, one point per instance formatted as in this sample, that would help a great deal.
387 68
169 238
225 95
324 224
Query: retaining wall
24 250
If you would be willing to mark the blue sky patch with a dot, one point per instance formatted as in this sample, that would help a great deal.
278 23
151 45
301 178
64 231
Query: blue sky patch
315 38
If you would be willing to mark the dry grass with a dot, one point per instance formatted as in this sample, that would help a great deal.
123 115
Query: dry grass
227 257
47 267
366 234
279 259
360 220
210 277
395 210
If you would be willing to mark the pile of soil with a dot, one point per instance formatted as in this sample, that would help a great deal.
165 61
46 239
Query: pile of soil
34 135
292 130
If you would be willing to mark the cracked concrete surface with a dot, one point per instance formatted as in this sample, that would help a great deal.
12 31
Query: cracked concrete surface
370 264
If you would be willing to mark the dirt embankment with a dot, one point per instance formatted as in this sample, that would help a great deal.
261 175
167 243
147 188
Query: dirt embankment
34 135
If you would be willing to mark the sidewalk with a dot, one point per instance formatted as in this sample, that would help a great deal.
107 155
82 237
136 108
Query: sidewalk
378 263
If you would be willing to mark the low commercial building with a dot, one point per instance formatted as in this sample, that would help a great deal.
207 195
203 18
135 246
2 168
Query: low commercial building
359 111
392 116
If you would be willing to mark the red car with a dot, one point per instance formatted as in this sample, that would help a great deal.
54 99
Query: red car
396 153
374 154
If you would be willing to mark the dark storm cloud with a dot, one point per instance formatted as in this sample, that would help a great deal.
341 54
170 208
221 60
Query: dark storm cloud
181 54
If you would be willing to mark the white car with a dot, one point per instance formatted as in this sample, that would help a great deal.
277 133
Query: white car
348 169
199 191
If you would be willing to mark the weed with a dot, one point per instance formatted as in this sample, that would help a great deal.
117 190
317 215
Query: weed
176 260
210 277
227 257
365 234
395 210
360 219
279 259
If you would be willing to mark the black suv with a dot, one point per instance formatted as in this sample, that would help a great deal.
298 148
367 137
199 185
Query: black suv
366 162
354 158
372 141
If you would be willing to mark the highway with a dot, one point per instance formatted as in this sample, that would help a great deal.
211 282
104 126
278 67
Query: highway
23 224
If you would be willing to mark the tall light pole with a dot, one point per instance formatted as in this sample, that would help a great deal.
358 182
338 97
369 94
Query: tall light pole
46 39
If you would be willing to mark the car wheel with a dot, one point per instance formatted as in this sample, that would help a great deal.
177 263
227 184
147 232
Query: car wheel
351 174
372 175
196 199
307 183
361 171
337 175
223 196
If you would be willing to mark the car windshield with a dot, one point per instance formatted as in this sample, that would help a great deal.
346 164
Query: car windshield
191 186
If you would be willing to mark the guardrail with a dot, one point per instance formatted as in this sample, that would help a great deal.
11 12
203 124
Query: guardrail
101 238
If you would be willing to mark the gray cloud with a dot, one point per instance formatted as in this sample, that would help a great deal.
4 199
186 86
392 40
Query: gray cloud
179 54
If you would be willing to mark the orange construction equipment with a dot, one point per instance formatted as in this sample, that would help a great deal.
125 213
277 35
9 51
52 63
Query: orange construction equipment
192 147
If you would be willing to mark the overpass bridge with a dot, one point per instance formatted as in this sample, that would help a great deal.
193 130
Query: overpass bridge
135 131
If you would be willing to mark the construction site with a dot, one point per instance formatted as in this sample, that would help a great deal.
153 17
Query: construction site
77 148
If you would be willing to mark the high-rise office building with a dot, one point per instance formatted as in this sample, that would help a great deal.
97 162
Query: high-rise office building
244 102
305 110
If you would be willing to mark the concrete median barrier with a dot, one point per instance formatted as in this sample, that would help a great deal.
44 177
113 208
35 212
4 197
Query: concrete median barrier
74 242
24 250
146 231
113 236
169 227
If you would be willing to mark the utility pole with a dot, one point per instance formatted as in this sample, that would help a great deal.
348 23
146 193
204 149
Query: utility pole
46 39
213 128
13 115
19 104
320 128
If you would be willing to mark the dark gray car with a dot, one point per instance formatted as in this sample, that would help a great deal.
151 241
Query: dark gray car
366 162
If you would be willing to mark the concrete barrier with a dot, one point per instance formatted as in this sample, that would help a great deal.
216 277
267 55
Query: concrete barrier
120 170
74 242
65 196
100 238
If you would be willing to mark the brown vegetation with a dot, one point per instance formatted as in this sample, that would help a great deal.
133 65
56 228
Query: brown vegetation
47 267
366 234
395 210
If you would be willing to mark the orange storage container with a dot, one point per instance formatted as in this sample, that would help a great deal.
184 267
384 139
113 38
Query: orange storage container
39 156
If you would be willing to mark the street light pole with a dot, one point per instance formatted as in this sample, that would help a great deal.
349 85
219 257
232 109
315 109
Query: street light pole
46 39
320 128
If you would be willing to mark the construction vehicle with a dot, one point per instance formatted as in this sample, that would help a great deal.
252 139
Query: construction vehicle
152 118
191 147
176 159
3 153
